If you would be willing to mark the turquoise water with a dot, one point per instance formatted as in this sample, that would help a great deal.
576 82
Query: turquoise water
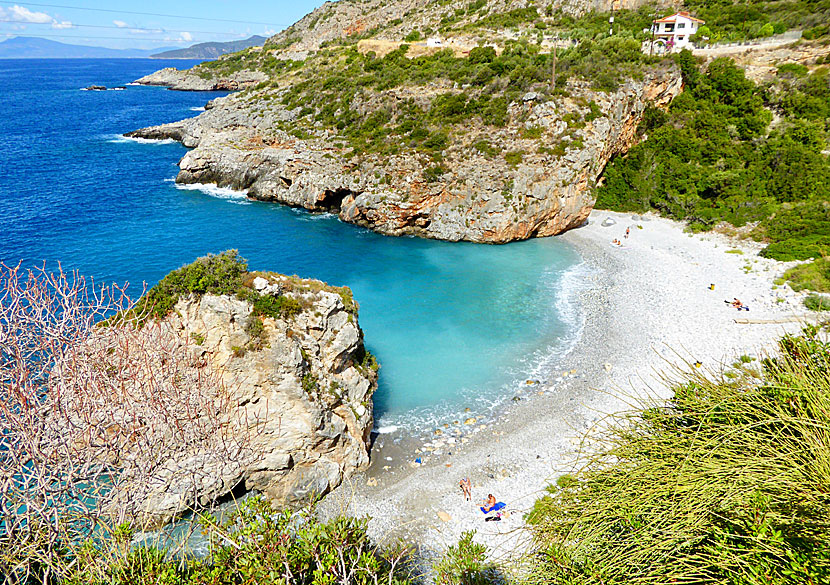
453 325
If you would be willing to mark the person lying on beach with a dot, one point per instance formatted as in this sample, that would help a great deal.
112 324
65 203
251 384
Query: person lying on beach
489 504
466 488
737 304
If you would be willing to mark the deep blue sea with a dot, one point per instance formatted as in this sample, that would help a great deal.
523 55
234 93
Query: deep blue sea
454 325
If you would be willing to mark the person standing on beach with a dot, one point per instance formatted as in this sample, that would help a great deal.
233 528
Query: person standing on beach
627 231
466 488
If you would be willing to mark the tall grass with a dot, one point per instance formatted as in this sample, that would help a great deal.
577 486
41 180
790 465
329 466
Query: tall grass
729 483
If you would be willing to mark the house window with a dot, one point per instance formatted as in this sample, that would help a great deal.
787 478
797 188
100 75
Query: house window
669 27
681 25
679 38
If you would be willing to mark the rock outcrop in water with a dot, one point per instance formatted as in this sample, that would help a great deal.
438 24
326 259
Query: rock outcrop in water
188 81
288 413
300 387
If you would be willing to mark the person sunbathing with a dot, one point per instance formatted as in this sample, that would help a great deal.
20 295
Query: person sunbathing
489 504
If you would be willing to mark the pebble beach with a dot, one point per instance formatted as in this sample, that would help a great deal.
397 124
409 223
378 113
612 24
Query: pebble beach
651 305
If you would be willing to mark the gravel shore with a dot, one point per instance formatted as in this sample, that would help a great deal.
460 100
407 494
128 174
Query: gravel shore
646 306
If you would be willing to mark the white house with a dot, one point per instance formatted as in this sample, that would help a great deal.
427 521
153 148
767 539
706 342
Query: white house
434 42
673 31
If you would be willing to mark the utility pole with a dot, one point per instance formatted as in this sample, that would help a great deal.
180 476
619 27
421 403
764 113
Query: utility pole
553 69
653 28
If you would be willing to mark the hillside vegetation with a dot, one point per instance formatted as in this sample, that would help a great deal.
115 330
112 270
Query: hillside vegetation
716 156
728 483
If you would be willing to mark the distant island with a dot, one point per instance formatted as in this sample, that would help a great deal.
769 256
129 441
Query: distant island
40 48
211 50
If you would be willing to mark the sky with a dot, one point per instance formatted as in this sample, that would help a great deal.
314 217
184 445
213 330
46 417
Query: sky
123 24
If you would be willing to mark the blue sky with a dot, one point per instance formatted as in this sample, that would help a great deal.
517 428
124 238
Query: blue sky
117 24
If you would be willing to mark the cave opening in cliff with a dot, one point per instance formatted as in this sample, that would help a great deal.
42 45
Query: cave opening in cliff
332 199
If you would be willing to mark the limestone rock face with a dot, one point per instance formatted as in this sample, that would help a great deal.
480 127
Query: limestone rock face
187 81
480 197
301 402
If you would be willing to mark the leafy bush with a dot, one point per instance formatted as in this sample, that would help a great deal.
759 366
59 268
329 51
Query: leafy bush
256 544
278 307
219 274
513 158
813 276
710 159
464 563
725 484
816 302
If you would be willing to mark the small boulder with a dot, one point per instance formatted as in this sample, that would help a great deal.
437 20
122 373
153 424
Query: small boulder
608 222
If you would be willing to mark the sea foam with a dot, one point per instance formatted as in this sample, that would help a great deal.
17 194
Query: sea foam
231 195
120 139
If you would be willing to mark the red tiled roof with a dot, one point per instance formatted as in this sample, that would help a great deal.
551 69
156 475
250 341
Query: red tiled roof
673 18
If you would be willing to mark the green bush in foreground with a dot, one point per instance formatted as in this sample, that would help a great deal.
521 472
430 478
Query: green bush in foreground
256 545
729 483
219 274
465 564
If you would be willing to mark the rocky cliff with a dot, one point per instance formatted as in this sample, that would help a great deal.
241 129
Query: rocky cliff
191 81
297 383
268 388
464 141
532 177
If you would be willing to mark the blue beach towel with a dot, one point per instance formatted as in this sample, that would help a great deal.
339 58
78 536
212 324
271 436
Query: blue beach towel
496 508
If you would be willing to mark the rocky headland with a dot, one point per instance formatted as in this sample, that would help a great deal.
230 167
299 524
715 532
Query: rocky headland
272 392
189 81
556 151
466 139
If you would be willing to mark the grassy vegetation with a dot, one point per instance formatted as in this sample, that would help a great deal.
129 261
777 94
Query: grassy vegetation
813 276
327 91
816 302
219 274
227 274
727 484
256 544
714 157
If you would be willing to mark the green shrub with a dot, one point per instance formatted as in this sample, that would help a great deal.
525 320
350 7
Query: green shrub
256 544
434 173
726 483
464 564
219 274
278 307
813 276
816 302
514 158
712 159
484 147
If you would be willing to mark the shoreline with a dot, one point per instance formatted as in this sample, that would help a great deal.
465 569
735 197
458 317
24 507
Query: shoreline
647 307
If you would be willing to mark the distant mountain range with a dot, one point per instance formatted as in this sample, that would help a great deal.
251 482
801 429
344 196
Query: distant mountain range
211 50
40 48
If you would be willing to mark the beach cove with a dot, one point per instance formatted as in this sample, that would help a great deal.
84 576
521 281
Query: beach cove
647 307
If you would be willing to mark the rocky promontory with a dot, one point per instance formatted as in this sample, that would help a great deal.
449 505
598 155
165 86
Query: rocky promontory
173 78
260 382
492 131
532 177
